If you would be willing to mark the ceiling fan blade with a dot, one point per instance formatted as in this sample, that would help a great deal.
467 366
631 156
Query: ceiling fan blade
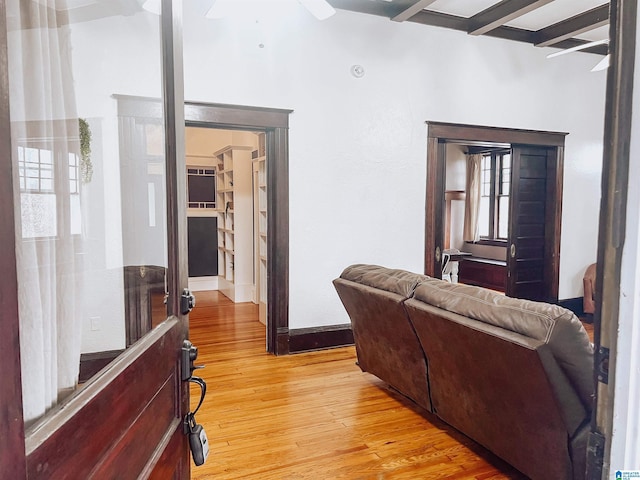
578 48
603 64
321 9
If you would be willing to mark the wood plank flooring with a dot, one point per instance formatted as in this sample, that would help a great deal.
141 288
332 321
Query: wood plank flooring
313 415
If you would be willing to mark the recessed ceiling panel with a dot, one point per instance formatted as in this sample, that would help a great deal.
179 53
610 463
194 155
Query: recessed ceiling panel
600 33
461 8
554 12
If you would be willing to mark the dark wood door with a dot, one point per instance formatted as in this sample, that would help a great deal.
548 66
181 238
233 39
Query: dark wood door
127 421
530 252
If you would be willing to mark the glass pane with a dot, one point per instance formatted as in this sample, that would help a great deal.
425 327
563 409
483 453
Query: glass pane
91 240
503 217
483 217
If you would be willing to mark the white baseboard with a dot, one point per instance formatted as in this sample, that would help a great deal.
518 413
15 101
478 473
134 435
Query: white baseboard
199 284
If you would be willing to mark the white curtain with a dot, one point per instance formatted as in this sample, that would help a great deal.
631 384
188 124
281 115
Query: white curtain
471 232
44 128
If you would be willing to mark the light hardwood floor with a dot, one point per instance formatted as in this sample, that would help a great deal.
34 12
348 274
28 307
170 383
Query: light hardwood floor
313 415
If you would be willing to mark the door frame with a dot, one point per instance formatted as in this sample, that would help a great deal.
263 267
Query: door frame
13 461
438 135
275 123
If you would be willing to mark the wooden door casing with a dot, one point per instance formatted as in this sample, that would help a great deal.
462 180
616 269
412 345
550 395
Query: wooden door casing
441 133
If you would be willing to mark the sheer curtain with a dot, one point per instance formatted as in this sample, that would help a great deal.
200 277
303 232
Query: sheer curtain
472 198
45 147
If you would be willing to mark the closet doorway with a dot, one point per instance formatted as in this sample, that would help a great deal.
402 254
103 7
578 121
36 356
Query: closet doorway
227 213
532 240
272 126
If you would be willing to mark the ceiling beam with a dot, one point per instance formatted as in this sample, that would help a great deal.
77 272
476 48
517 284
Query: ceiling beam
411 10
501 13
445 20
584 22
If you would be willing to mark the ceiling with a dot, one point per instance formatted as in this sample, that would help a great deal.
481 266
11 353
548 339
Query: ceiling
543 23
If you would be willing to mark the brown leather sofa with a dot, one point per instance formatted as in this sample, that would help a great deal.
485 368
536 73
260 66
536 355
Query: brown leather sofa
514 375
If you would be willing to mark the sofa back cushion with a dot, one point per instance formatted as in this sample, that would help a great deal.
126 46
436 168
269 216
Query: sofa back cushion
400 282
551 324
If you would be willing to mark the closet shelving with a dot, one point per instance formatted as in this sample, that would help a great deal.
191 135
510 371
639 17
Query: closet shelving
260 207
233 165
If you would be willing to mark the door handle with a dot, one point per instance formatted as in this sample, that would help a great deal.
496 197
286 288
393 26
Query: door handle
187 301
189 355
512 250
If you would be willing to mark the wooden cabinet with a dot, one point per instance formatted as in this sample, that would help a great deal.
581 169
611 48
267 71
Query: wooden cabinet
484 272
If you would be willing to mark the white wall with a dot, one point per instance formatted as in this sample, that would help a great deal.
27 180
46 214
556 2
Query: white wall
358 146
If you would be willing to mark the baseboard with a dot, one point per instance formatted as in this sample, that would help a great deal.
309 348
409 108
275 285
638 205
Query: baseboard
92 363
198 284
573 304
319 338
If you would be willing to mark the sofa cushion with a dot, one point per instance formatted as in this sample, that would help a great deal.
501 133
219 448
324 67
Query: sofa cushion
551 324
396 281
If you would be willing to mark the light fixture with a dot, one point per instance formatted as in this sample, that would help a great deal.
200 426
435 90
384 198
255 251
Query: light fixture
603 64
153 6
318 8
579 47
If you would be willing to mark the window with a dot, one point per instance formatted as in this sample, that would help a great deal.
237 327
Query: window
494 196
40 186
201 187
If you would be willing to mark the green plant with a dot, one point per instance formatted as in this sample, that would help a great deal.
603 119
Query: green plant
86 168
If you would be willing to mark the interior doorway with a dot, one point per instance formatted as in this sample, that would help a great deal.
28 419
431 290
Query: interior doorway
525 243
227 213
274 124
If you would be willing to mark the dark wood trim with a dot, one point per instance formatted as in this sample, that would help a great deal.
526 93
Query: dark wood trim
584 22
461 133
444 20
92 363
494 242
434 211
278 238
573 304
501 13
553 222
615 183
176 181
236 116
275 124
12 449
318 338
410 8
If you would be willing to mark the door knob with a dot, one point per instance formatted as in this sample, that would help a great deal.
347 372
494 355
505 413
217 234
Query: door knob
512 250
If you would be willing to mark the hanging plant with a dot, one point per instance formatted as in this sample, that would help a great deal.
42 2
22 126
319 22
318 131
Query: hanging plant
86 168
